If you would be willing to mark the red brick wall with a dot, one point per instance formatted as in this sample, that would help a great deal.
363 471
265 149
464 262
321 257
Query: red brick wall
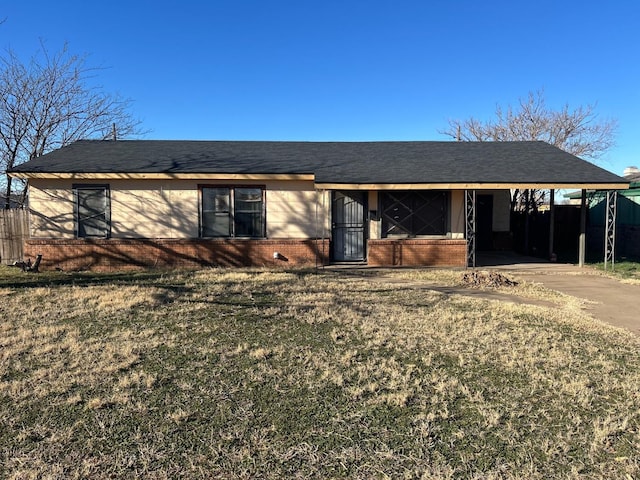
126 254
418 252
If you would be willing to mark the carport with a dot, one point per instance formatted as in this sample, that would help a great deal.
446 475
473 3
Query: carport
609 191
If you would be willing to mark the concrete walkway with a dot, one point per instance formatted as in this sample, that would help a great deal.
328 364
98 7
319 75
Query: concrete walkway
616 303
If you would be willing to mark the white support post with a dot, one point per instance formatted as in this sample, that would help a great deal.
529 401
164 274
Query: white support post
552 223
582 242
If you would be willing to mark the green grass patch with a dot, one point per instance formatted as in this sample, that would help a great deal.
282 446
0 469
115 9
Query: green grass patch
625 269
275 374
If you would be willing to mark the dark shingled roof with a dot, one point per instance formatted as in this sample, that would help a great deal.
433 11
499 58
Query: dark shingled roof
331 162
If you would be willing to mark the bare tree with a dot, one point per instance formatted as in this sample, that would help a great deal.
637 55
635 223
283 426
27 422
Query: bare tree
576 131
48 103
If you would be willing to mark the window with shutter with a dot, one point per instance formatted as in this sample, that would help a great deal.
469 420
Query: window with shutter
414 213
92 210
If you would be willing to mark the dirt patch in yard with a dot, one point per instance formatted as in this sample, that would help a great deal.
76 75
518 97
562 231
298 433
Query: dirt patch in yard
480 279
604 298
481 285
607 299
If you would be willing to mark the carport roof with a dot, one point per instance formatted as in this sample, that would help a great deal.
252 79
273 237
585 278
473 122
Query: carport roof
359 165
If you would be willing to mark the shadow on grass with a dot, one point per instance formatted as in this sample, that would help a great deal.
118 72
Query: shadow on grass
11 277
15 278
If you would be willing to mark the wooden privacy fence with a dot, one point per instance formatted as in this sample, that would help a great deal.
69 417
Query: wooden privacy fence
14 229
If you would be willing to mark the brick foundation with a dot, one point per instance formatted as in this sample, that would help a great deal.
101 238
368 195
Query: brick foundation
131 254
417 252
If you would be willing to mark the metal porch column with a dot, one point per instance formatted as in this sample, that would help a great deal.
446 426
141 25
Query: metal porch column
610 232
552 223
470 224
582 240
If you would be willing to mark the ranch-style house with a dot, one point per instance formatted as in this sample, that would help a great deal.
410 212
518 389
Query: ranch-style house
109 205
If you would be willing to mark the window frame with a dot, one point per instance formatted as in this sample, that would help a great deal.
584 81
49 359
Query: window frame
76 187
232 210
446 220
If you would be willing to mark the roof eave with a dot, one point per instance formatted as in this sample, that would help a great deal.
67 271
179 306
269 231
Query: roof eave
162 176
240 176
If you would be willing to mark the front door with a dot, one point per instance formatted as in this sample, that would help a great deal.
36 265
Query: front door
348 226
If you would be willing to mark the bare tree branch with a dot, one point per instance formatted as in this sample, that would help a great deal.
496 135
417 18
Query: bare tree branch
48 103
576 131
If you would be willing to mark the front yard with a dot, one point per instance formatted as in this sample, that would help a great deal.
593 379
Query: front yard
276 374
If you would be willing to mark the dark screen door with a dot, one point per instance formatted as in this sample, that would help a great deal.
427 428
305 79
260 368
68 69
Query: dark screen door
348 215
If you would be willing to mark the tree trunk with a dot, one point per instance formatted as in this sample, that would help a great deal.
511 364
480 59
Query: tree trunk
7 200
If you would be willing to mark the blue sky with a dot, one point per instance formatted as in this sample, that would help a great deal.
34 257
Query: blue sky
345 70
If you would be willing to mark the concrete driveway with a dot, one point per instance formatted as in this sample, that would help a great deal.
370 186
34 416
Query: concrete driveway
616 303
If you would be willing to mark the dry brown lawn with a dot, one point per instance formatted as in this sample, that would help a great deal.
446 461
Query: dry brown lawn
276 374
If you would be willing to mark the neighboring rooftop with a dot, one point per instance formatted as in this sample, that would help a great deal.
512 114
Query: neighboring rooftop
631 172
331 162
633 178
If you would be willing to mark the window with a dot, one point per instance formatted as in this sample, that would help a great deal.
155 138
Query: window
232 212
92 211
414 213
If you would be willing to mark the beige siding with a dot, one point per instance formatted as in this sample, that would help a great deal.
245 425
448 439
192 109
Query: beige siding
51 207
169 208
458 219
154 209
375 225
295 210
